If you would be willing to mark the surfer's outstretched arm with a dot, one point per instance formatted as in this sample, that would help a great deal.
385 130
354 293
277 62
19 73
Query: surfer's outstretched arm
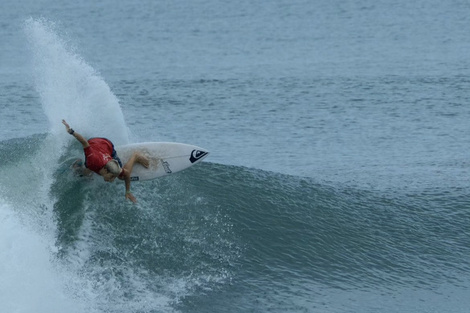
79 137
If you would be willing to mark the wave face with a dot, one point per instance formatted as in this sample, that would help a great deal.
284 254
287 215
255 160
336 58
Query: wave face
227 238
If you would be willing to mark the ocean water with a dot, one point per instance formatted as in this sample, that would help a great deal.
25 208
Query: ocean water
338 179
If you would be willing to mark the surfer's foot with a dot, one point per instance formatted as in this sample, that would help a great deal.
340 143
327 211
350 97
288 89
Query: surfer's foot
142 160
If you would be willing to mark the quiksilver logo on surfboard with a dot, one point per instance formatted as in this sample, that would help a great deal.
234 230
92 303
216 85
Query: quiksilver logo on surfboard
197 155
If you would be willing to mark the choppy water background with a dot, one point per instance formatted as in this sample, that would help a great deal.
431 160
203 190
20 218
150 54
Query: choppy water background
338 174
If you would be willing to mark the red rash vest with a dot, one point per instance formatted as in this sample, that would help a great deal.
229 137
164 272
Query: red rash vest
98 153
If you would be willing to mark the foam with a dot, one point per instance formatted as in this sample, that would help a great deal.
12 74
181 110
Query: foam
31 280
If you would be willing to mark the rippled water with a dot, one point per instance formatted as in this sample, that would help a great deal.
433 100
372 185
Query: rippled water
338 174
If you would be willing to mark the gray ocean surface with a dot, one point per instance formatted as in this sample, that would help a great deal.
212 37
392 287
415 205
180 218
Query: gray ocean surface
338 179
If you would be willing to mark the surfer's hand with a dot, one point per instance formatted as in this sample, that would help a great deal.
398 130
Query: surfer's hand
67 127
131 197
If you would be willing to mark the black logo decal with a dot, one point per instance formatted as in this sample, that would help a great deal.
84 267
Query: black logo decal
166 167
197 155
134 178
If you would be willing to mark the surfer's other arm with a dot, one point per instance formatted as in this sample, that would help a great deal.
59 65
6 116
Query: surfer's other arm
127 170
79 137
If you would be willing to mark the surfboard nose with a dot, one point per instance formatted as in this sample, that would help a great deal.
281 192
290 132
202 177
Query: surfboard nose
197 155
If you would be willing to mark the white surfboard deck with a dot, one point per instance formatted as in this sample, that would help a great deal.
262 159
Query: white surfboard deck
165 158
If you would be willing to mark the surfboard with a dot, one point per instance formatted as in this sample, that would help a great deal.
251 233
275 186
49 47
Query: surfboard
165 158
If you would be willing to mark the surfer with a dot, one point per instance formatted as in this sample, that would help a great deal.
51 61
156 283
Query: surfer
101 158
